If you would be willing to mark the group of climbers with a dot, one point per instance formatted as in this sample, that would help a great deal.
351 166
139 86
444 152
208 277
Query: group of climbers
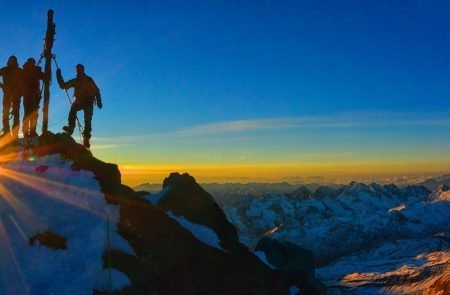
25 82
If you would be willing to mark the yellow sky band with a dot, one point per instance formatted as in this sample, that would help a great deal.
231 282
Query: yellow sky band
137 174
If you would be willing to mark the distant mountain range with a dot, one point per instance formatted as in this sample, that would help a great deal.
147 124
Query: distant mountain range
367 239
229 193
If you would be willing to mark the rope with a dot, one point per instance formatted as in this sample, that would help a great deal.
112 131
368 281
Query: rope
40 59
60 120
54 124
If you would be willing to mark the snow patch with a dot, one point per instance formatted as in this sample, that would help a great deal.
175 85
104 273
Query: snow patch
397 208
118 280
203 233
155 198
272 231
262 256
117 242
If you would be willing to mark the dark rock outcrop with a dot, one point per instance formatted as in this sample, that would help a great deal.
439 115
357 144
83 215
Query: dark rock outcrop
295 261
50 240
108 175
187 198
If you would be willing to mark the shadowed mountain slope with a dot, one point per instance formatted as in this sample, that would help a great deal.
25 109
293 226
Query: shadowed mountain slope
185 245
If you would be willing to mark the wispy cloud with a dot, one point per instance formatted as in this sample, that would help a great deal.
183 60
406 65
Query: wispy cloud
107 146
342 120
239 126
335 121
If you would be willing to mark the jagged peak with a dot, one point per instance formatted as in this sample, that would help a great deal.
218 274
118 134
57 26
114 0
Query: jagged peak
302 192
391 187
415 190
375 185
352 188
357 185
442 193
443 188
324 191
184 180
185 197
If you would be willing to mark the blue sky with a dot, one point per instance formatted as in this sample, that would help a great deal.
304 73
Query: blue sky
218 82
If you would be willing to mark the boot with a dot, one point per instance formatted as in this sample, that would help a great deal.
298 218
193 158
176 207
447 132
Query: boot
68 129
86 143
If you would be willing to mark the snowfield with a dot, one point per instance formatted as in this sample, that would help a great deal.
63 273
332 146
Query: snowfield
366 238
39 195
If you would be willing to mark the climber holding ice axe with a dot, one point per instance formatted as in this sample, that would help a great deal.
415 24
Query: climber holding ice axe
86 94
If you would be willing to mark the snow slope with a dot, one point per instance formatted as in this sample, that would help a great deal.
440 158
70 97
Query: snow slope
44 194
200 231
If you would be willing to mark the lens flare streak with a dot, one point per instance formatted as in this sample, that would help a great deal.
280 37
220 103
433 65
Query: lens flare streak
53 189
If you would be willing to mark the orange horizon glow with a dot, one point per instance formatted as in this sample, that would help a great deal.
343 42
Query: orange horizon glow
237 173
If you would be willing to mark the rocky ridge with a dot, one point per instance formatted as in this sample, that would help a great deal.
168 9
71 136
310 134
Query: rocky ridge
154 250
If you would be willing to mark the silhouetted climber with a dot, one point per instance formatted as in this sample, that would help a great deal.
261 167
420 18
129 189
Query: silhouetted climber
12 91
31 75
86 94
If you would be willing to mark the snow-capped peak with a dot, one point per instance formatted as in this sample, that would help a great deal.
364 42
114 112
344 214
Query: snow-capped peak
442 193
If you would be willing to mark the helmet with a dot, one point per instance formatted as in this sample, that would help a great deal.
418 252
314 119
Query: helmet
12 61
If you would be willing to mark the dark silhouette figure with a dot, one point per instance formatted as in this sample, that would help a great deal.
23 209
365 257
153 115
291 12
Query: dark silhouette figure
31 75
86 93
12 91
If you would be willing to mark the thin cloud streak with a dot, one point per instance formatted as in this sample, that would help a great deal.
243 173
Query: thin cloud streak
240 126
337 121
344 120
108 146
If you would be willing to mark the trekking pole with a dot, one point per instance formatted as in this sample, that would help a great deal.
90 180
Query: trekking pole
108 244
70 101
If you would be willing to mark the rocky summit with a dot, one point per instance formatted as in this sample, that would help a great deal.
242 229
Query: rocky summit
68 226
